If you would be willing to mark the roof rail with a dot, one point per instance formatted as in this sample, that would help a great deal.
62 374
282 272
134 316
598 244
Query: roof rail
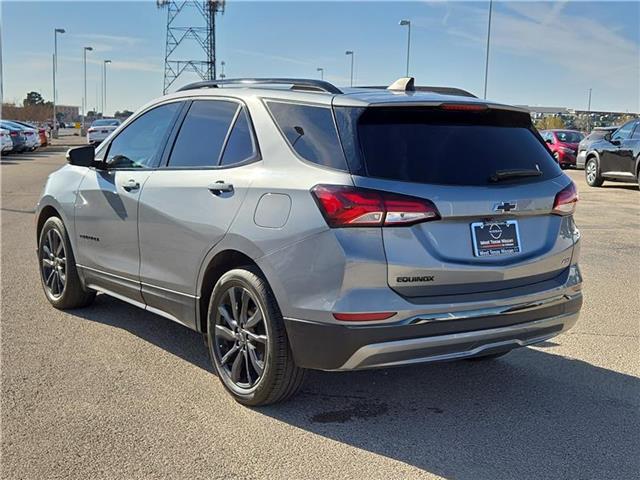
420 88
304 84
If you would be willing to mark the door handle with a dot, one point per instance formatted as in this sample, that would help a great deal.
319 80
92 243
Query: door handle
219 187
131 185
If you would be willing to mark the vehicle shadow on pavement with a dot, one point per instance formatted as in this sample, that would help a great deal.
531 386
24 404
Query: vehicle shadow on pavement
531 414
168 335
619 186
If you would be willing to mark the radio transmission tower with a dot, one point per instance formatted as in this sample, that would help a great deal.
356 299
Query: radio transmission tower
202 34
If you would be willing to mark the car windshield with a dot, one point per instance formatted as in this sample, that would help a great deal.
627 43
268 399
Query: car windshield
569 137
105 123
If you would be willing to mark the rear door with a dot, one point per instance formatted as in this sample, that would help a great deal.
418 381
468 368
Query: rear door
496 231
615 157
188 204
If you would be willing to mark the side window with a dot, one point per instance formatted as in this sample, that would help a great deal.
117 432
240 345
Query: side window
140 143
636 132
203 133
623 132
240 145
311 132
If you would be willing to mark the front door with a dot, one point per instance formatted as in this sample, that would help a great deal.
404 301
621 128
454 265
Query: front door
106 210
187 206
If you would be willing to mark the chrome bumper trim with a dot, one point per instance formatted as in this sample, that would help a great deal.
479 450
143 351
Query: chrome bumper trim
518 335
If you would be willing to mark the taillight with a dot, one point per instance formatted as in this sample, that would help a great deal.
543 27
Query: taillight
14 134
91 130
566 200
344 206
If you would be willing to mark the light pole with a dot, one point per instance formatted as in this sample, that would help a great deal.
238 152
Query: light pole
350 52
84 99
407 23
222 74
104 86
589 113
55 68
486 62
321 70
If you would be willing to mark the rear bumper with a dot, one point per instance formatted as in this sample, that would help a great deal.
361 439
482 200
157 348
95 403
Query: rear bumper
581 159
566 158
430 337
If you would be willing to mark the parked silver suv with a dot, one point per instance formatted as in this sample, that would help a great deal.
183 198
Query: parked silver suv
298 226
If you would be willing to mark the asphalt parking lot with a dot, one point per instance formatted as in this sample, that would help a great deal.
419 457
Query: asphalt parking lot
114 392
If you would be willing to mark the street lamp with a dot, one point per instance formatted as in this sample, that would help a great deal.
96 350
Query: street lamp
589 113
55 68
104 86
222 75
407 23
350 52
321 70
84 99
486 63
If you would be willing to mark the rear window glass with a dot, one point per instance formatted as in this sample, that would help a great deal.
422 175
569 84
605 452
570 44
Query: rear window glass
203 133
569 136
310 131
240 146
452 148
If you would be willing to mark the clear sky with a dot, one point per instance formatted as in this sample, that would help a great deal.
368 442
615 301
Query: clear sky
542 53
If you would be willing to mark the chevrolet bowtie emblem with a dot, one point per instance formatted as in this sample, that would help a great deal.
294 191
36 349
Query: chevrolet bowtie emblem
505 207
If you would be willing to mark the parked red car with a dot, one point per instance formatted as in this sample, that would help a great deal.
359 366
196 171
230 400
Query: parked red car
564 145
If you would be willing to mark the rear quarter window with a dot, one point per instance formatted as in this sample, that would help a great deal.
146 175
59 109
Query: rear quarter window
310 131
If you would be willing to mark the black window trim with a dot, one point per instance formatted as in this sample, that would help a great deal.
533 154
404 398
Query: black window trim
257 156
266 100
132 119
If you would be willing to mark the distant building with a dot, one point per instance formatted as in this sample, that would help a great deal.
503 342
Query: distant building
70 113
580 119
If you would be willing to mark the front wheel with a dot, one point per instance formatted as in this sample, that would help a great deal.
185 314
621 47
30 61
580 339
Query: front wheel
247 340
58 272
591 174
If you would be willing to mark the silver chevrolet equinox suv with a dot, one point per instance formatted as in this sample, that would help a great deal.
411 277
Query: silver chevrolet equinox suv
299 226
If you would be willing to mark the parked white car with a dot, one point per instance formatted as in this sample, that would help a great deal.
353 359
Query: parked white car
6 144
101 129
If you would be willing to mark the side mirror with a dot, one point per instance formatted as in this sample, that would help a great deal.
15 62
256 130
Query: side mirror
607 136
82 156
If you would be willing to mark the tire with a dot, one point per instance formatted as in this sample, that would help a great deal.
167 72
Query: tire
58 272
592 174
489 356
249 338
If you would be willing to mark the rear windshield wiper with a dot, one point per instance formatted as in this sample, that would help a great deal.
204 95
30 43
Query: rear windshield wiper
516 173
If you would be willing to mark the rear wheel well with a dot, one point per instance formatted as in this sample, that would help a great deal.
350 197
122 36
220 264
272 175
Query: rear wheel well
218 266
46 213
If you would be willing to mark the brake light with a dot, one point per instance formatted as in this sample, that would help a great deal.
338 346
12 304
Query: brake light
566 200
363 317
464 107
344 206
91 130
